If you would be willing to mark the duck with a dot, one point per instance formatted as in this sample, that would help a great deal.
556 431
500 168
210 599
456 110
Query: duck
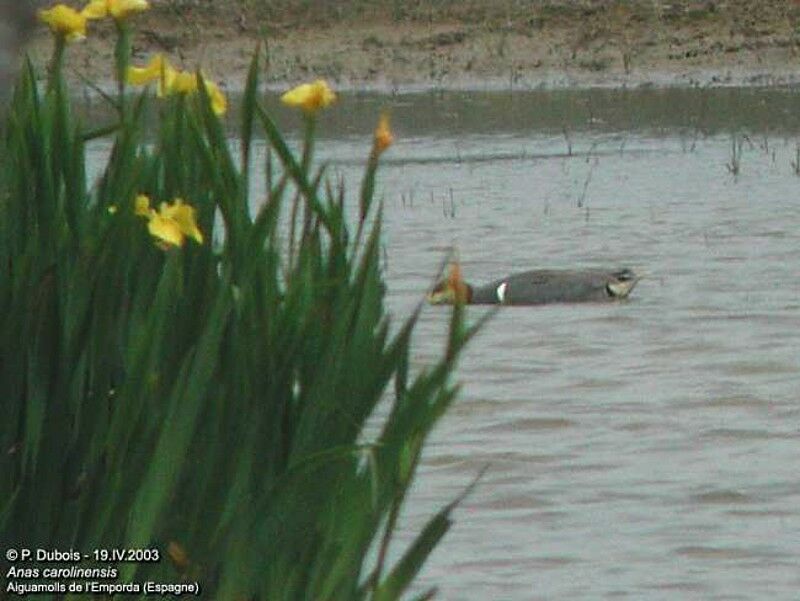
537 287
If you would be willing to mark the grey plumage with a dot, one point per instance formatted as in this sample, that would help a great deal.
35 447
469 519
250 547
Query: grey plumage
550 286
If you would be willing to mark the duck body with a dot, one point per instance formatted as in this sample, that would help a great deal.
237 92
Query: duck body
542 287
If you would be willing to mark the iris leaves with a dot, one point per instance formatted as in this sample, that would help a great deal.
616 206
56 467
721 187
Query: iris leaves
210 398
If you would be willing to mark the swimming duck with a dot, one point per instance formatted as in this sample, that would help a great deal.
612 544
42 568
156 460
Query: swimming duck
537 287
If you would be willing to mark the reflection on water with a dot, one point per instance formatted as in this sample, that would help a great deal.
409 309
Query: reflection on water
695 111
708 111
646 450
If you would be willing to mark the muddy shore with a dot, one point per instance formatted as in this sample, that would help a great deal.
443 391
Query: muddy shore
547 44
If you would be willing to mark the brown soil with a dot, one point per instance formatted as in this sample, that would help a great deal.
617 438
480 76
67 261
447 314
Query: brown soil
466 44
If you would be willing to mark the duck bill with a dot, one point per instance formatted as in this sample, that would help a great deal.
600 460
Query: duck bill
438 298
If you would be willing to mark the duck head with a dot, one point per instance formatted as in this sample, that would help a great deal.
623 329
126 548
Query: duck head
452 289
621 283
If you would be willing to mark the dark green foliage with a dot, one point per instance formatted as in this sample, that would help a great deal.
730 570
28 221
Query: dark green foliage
211 395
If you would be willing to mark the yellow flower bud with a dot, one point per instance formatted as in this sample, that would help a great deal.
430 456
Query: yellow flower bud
383 134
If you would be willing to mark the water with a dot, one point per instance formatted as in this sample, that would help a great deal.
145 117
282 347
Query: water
642 450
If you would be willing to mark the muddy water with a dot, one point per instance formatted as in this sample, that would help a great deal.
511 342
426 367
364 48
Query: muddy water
644 450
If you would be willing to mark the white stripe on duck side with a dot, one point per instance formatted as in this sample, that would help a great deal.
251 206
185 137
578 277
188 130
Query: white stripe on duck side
501 292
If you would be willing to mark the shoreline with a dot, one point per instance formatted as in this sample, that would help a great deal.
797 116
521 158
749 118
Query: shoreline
718 46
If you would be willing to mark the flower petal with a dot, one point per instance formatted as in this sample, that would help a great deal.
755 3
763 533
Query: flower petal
310 96
165 230
96 9
142 206
120 9
219 104
64 20
185 217
182 82
152 71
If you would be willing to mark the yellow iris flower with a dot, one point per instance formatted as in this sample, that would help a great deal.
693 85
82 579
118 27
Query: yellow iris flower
383 134
184 216
310 96
118 9
172 223
186 82
64 21
172 81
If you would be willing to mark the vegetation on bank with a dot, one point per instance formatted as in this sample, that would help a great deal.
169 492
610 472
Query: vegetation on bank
184 373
